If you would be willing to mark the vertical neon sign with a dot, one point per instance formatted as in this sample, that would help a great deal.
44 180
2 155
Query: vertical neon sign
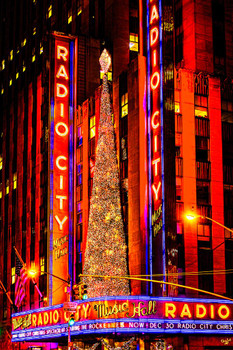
59 168
155 110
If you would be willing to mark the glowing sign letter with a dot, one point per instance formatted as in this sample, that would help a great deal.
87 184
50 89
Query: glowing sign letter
58 163
60 223
185 311
154 58
155 163
156 190
152 83
224 314
62 72
154 14
61 182
62 52
61 198
58 125
200 310
61 87
154 126
170 310
154 34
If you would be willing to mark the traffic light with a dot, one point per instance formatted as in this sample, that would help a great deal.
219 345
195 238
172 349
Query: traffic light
84 291
76 292
80 291
71 320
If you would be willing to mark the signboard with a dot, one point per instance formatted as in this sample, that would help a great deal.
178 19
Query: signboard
70 306
127 315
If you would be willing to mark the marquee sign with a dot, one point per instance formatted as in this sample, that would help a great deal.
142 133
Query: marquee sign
127 315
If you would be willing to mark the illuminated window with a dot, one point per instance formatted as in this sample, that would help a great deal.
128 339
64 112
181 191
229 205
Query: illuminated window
42 265
41 48
133 42
0 194
3 64
201 112
34 31
17 75
11 55
2 91
10 82
177 107
92 127
14 181
1 162
33 58
69 16
7 186
12 275
24 67
50 11
24 42
124 105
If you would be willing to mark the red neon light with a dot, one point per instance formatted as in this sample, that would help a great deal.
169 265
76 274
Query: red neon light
61 168
156 184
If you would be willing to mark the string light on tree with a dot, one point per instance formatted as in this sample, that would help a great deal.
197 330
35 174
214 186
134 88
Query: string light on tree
106 248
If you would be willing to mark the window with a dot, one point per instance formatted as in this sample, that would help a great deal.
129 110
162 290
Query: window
3 64
1 162
92 127
14 181
80 136
12 275
177 107
11 56
133 42
50 11
205 263
69 16
203 232
42 265
124 105
7 186
203 192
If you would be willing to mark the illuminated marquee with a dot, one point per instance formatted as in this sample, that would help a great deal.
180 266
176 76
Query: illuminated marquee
156 182
132 314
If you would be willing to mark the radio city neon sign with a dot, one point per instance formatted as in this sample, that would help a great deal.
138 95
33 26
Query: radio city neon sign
156 184
61 142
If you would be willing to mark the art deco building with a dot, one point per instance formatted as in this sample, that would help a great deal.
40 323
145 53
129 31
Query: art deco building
171 94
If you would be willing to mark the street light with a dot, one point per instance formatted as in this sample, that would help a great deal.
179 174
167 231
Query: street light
193 217
33 273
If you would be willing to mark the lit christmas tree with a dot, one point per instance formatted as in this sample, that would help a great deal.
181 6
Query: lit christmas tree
106 248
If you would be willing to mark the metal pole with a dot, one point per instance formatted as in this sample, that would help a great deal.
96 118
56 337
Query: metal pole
69 336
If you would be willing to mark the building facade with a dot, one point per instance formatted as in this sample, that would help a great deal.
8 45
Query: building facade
171 92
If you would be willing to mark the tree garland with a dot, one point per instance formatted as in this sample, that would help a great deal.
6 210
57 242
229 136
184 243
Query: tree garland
125 346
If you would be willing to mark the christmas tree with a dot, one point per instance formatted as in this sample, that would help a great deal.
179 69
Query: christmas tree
106 248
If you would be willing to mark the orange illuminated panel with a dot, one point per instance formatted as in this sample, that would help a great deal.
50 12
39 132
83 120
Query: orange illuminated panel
61 168
156 181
